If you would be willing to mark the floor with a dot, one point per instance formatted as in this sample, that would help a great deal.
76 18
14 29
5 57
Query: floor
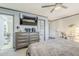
11 52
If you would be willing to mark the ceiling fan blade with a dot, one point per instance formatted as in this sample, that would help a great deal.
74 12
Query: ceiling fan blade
52 10
47 6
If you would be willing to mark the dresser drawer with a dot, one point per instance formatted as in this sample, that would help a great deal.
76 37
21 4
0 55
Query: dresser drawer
22 41
33 41
22 38
26 33
18 47
33 33
34 38
19 35
21 45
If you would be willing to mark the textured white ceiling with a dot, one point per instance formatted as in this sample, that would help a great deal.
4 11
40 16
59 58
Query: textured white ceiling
36 9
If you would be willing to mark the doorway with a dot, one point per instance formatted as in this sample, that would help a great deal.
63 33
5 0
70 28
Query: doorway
6 31
41 28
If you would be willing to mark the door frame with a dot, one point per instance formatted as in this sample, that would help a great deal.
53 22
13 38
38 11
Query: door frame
12 26
44 27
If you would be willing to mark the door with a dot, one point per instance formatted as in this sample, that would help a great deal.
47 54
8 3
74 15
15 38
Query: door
41 29
6 31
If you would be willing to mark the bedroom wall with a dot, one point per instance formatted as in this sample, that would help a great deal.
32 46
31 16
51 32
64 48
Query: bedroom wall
17 21
63 26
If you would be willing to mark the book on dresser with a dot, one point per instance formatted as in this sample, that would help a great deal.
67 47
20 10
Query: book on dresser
23 39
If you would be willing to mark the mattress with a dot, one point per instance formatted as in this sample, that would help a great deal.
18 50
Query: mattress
55 47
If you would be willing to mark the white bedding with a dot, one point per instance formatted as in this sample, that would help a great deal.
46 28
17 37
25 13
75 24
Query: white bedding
56 47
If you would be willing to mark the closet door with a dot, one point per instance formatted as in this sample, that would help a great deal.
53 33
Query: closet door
41 29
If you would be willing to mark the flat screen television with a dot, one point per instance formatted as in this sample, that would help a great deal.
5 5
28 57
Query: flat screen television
26 20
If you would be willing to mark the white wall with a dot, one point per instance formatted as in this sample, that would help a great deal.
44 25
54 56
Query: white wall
17 21
62 25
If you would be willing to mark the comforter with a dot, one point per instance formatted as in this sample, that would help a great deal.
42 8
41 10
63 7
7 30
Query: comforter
56 47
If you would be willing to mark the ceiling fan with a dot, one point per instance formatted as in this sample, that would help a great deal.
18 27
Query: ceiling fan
55 6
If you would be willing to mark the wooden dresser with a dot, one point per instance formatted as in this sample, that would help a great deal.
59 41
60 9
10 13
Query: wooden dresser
23 39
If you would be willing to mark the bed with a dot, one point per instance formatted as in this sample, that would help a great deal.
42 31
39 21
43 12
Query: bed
55 47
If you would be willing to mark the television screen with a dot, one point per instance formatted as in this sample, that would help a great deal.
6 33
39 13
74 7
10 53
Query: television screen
28 20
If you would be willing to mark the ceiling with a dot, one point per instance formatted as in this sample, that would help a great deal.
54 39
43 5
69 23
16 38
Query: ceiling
36 9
